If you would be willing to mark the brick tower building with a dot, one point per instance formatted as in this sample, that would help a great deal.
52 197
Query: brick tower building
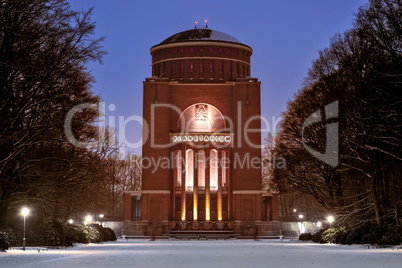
201 151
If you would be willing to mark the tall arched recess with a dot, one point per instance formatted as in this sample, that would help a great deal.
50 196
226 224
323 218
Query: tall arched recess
201 118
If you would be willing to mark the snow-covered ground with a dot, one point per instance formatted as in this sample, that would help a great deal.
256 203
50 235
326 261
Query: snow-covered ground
230 253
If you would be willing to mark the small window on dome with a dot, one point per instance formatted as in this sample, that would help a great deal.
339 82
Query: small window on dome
201 66
201 49
211 49
211 66
191 66
182 67
220 50
229 51
182 50
191 49
220 67
172 51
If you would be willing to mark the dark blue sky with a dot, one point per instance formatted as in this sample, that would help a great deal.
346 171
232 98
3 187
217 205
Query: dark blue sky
285 36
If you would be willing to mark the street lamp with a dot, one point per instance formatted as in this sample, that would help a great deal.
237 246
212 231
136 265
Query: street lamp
70 221
88 219
330 219
319 224
24 212
294 210
101 217
302 227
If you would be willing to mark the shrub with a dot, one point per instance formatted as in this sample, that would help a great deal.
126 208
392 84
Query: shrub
105 234
306 237
53 234
390 239
7 239
367 233
111 233
3 241
75 234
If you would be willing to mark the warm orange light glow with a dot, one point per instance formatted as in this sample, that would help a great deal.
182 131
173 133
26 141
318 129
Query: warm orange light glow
219 206
25 211
207 206
183 210
189 168
195 205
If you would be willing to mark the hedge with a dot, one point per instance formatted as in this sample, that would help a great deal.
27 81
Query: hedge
367 233
56 233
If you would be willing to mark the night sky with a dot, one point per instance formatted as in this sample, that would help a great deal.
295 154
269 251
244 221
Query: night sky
286 37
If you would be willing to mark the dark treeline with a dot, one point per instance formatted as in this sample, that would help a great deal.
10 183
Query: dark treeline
361 74
44 48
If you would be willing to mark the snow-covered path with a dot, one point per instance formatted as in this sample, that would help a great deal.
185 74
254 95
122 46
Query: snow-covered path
237 253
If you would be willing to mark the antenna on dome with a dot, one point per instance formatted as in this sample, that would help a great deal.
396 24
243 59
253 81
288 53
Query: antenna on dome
206 24
195 24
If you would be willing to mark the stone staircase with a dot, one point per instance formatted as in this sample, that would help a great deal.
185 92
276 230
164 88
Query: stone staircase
202 234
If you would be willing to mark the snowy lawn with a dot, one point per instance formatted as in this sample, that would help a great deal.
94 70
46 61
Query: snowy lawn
230 253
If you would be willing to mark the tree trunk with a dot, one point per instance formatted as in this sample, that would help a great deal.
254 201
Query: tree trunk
375 200
4 204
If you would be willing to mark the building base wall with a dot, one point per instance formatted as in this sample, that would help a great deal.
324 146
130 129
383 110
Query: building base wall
239 228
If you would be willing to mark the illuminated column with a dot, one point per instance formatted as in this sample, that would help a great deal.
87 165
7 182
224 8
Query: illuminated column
218 162
183 184
207 190
175 184
195 186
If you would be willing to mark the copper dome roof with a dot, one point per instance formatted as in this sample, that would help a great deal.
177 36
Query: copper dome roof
200 35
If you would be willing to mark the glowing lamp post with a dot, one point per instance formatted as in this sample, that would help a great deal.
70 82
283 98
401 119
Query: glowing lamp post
330 219
101 217
24 212
70 221
88 219
319 224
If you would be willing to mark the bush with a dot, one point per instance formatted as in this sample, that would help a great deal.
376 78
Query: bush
7 239
341 235
75 234
112 234
105 234
53 234
367 233
306 237
3 242
87 234
318 236
390 239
